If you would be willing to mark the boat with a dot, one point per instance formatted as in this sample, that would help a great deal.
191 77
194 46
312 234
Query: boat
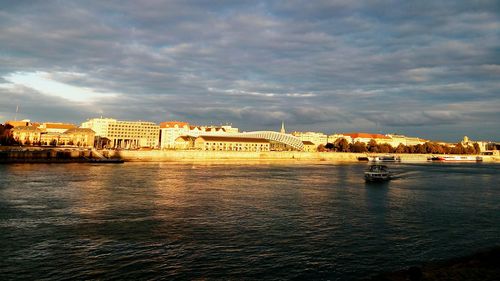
386 158
377 173
457 158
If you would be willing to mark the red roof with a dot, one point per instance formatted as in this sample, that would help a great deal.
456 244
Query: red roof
366 136
171 124
59 126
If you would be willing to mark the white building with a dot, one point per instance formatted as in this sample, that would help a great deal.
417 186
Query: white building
171 130
314 137
125 134
56 127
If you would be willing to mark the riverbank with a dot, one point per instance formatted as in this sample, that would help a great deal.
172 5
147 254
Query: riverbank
66 155
198 155
52 155
477 267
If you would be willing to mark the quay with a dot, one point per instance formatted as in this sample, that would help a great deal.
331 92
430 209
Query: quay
79 155
53 155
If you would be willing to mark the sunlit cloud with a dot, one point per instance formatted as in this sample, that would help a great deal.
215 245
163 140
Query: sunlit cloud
44 83
329 66
237 92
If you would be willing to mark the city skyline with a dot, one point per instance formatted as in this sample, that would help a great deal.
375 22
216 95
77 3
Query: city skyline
420 69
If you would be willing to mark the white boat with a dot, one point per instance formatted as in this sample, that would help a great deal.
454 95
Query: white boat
458 158
386 158
377 173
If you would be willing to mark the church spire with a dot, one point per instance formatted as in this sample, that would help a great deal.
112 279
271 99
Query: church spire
282 127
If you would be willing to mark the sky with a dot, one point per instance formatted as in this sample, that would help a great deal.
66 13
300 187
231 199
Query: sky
420 68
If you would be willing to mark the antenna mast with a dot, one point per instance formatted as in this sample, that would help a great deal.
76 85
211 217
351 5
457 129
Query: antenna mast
17 110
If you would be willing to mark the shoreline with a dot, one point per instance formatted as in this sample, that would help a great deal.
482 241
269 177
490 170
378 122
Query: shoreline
79 155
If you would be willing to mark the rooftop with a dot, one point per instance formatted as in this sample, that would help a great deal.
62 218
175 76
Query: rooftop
232 139
366 135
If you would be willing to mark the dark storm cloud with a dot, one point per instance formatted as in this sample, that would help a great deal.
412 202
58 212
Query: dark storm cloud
412 67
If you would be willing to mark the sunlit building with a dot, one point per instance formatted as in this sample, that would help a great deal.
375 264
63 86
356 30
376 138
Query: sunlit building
400 139
26 135
228 143
310 146
483 145
55 127
171 130
391 139
81 137
335 137
366 138
125 134
184 142
21 123
314 137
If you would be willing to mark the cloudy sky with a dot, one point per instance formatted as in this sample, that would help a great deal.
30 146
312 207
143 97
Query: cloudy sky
420 68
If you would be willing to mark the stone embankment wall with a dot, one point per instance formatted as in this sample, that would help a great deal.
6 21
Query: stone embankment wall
55 155
197 155
43 155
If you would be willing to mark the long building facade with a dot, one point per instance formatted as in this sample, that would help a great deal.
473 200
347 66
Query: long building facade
125 134
171 130
227 143
314 137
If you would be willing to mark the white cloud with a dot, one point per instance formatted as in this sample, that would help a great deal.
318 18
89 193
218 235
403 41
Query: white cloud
44 83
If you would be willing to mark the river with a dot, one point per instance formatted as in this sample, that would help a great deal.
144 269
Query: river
271 221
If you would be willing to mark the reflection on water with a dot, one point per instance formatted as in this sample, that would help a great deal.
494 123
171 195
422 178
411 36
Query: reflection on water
240 221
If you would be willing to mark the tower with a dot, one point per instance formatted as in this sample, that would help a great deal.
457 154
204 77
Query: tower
282 127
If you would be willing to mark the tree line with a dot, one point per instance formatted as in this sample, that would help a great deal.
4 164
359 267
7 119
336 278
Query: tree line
342 145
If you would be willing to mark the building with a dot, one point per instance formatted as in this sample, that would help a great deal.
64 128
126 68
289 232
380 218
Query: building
29 135
333 138
56 127
171 130
310 146
99 125
22 123
184 142
400 139
228 143
483 145
391 139
125 134
80 136
26 135
366 138
314 137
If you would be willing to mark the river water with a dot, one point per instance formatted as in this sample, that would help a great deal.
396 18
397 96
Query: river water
272 221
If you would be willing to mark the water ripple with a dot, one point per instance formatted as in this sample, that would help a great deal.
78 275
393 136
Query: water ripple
162 221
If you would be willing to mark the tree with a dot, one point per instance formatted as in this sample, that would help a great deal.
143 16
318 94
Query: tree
358 147
321 148
458 149
328 146
470 150
419 149
401 148
385 148
477 148
341 145
372 146
6 137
